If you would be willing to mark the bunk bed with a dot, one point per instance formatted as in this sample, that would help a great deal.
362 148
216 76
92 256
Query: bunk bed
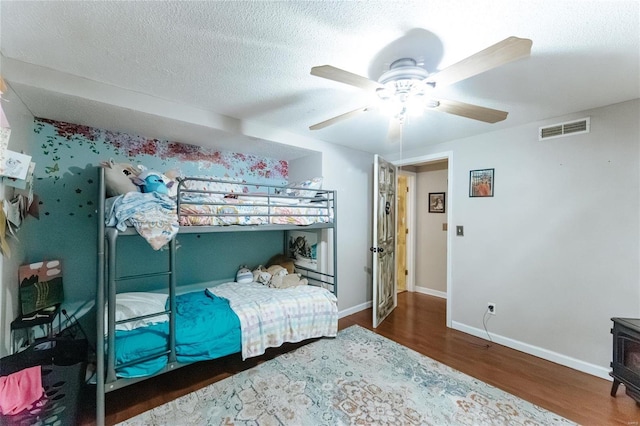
137 333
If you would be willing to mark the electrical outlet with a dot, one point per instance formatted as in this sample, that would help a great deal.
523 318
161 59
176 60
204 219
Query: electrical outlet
491 307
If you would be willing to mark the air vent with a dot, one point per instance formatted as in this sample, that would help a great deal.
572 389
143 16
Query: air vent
564 129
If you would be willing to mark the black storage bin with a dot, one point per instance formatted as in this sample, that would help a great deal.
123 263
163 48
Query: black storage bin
63 379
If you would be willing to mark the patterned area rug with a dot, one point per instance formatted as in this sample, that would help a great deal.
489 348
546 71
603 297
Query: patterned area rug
357 378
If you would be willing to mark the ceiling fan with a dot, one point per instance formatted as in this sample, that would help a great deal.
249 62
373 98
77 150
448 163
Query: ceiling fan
407 87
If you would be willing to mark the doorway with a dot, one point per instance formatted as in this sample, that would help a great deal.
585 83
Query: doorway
401 233
427 233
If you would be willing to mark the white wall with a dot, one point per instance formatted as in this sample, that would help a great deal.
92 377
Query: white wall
350 172
557 247
431 240
307 167
21 122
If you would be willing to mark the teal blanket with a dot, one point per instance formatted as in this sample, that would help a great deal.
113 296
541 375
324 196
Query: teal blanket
206 328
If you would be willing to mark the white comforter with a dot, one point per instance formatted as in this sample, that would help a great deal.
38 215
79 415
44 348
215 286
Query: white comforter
269 316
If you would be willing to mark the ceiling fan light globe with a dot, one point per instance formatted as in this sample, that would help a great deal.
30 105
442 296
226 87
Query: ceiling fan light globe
415 105
391 107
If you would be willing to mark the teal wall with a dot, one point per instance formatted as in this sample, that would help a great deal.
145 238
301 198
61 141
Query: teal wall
66 182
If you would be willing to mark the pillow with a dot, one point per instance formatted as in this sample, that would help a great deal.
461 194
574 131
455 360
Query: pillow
222 188
135 304
294 189
117 177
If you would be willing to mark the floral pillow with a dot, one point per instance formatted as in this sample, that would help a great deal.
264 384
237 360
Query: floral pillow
221 189
295 189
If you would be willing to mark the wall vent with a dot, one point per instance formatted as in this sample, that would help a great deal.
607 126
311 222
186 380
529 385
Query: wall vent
564 129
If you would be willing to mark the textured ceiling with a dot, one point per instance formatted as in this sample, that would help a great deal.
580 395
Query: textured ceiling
235 75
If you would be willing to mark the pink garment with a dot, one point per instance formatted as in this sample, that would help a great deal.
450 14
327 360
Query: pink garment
20 390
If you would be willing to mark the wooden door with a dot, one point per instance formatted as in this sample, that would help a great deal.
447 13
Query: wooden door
384 241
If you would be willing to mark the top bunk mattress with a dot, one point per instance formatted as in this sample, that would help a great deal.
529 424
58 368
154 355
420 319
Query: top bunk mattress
215 203
251 210
206 201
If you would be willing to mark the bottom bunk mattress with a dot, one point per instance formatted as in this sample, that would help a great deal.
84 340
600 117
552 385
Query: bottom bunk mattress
219 321
206 328
270 317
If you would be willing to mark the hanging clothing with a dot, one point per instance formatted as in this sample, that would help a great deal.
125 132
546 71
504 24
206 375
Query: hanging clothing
20 390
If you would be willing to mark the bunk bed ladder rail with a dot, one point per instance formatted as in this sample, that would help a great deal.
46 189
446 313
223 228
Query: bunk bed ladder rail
107 289
112 284
100 278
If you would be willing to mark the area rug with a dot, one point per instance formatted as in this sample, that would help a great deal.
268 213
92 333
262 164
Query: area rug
356 378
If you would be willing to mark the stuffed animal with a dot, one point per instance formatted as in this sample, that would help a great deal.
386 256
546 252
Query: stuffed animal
291 280
119 177
280 278
260 275
277 276
151 181
282 260
244 275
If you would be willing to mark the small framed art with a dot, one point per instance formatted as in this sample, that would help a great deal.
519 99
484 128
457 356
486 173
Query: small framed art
436 202
481 183
303 249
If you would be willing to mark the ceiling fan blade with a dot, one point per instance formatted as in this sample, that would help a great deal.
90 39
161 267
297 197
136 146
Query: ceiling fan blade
508 50
339 118
346 77
394 134
474 112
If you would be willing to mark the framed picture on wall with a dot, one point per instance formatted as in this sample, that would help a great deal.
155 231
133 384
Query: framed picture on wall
436 202
481 183
303 249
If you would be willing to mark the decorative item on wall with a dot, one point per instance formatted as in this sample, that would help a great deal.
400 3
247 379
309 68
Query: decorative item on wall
15 165
40 285
303 248
481 183
437 202
61 142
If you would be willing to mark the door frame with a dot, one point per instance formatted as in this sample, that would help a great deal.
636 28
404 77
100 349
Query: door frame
446 155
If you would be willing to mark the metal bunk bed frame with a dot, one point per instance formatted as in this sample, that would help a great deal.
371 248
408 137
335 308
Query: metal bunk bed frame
106 379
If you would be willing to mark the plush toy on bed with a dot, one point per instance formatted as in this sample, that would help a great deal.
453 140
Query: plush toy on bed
260 275
244 275
282 260
276 276
280 278
119 177
152 181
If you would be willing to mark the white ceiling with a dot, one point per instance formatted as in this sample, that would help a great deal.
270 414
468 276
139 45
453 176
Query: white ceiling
235 74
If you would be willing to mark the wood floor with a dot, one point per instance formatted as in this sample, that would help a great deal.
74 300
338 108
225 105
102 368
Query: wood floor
418 323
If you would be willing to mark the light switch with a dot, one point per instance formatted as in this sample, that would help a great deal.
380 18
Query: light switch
460 231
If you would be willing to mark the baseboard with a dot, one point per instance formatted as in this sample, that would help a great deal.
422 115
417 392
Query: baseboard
430 292
558 358
355 309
